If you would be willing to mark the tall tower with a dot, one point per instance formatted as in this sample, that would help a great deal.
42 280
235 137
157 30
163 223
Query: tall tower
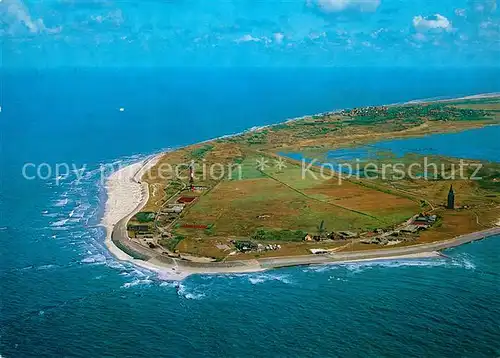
191 176
451 199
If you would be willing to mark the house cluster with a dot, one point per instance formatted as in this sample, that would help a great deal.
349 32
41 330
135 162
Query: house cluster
366 111
334 235
417 223
140 231
174 208
198 188
143 233
249 246
405 232
171 212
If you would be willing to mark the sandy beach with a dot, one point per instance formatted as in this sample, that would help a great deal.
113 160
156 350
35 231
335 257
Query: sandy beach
126 196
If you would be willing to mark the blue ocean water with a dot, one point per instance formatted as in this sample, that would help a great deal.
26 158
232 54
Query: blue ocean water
62 294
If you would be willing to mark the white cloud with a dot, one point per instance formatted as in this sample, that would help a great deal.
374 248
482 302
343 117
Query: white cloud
332 6
434 23
461 12
316 35
378 32
15 13
486 6
248 38
115 17
489 29
278 37
419 37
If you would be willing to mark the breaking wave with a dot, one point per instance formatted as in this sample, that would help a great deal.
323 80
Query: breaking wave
268 277
183 291
460 261
138 282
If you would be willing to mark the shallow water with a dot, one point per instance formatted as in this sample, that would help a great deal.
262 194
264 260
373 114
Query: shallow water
479 144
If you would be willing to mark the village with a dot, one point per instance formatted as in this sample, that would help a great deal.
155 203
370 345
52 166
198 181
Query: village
434 111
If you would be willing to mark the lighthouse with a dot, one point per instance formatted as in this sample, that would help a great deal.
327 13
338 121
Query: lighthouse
451 199
191 176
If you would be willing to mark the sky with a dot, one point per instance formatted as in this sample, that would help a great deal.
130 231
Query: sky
53 33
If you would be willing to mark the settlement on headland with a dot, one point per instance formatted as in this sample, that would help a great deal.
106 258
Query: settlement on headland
127 195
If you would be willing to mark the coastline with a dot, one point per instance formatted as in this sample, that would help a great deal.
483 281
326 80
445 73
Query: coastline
127 195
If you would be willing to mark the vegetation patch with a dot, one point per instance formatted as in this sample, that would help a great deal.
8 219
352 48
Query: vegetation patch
171 244
199 153
279 235
144 216
490 177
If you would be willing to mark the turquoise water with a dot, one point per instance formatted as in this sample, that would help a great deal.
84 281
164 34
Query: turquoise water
62 294
467 144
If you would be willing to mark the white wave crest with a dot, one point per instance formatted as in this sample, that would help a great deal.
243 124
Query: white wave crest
183 292
461 261
59 223
171 284
61 202
137 282
45 267
93 259
256 279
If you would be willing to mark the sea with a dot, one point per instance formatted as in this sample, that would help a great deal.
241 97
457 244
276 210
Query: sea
63 295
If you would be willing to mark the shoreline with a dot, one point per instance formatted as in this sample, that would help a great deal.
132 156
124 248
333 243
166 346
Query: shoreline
127 195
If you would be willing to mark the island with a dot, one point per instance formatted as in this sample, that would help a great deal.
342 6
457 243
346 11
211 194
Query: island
279 196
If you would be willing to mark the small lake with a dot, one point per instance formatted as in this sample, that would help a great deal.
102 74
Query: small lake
480 144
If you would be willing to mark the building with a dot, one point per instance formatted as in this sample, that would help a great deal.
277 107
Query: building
451 199
138 228
347 235
423 220
174 208
319 251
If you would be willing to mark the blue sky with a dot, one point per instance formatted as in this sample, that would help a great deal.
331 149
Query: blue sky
249 33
